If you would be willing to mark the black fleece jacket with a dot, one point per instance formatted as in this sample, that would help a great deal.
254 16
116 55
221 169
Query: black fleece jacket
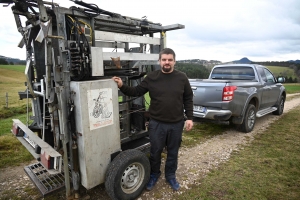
171 95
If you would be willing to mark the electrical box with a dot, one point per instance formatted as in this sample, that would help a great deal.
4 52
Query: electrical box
98 127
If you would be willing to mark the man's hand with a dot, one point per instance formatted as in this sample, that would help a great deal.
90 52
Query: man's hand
188 125
118 80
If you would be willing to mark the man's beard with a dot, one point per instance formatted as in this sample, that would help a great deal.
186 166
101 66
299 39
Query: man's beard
166 69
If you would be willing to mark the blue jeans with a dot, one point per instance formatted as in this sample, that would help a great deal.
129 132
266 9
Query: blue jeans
165 135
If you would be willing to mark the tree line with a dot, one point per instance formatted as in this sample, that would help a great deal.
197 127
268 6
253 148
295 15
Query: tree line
5 62
193 70
276 63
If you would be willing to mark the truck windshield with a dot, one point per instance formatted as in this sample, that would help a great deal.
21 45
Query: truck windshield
234 73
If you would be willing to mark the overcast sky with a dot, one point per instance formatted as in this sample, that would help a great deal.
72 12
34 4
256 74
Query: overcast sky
225 30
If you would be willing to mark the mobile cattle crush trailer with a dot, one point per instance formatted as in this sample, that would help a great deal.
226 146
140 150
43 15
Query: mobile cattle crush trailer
84 131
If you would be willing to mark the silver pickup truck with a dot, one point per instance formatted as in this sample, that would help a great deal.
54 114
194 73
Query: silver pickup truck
238 93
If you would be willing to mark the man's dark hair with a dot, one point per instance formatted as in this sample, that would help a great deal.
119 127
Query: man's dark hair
167 51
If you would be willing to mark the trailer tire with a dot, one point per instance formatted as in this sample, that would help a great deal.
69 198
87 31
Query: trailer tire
127 175
249 119
280 106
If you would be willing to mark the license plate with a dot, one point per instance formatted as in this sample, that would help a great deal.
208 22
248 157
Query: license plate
199 108
32 143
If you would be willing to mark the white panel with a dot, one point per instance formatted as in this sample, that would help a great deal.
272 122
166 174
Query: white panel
119 37
96 144
130 56
97 61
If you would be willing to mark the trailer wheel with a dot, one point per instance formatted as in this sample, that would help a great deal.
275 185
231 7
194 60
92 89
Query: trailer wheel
249 119
127 175
280 107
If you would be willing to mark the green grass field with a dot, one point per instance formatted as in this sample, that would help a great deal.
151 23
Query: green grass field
292 88
282 71
18 68
12 80
267 169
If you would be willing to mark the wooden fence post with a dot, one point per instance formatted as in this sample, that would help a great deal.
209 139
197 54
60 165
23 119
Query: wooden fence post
6 99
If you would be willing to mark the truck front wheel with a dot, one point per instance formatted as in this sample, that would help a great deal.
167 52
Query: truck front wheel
127 175
249 119
280 107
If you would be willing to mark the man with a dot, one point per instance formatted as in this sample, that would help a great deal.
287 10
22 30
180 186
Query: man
171 96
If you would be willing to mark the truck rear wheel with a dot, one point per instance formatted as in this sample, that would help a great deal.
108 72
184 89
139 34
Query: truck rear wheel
249 119
280 107
127 175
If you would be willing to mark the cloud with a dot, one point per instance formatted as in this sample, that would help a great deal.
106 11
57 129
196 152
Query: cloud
263 30
214 29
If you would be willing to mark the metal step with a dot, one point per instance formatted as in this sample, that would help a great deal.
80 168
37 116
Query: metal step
43 180
265 111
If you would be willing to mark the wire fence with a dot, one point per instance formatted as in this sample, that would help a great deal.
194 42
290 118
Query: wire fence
9 100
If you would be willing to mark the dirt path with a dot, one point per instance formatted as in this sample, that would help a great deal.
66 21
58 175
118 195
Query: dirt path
194 163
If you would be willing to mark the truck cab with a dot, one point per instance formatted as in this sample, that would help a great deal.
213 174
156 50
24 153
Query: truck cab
238 93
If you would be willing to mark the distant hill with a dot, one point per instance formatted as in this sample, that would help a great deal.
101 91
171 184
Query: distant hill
242 61
14 60
294 61
247 61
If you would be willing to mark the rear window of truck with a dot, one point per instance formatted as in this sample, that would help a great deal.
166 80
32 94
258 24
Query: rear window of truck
234 73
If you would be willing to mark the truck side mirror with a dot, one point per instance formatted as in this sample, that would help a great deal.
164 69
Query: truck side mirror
280 79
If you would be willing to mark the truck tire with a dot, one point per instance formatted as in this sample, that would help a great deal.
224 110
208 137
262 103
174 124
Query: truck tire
249 119
127 175
280 106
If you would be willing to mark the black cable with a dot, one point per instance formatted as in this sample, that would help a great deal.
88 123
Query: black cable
94 8
89 13
132 99
78 37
